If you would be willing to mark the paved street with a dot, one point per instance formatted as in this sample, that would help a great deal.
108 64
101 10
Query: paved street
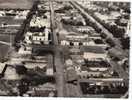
57 58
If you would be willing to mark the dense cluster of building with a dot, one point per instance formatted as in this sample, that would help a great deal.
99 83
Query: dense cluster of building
65 48
32 74
12 20
40 31
87 59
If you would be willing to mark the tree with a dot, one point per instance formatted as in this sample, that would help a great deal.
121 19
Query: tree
115 74
67 7
23 86
21 69
125 42
106 90
110 42
103 35
98 41
117 32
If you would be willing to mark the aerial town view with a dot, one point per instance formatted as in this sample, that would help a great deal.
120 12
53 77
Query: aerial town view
64 48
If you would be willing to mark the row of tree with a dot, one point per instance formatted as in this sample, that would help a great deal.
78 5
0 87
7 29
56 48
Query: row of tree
116 31
72 22
63 9
37 29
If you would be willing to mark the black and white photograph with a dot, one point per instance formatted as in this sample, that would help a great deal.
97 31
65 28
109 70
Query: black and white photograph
65 48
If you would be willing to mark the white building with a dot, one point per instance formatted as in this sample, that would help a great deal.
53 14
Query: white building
40 22
93 53
94 56
38 37
85 29
49 71
23 50
2 13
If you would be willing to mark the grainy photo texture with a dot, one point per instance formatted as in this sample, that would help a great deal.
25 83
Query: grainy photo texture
64 48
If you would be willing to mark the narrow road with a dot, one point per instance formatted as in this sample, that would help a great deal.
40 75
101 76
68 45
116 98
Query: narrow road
57 57
5 43
95 80
55 39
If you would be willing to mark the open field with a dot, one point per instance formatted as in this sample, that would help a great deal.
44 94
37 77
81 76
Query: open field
3 50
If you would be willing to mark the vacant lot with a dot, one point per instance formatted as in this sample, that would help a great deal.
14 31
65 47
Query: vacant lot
7 38
3 50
